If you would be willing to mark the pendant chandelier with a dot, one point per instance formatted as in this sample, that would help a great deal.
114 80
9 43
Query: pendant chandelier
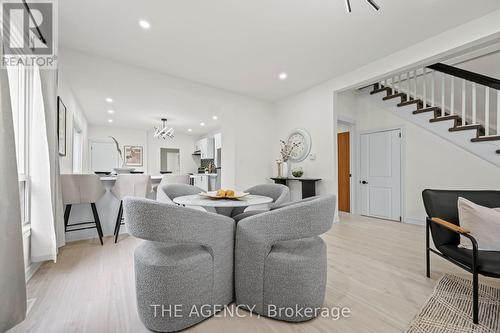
163 132
371 2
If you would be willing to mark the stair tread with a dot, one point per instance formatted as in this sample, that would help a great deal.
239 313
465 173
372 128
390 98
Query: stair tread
402 95
486 138
444 118
429 109
379 90
465 128
410 102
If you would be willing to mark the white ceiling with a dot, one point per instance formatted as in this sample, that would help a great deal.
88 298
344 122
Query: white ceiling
242 46
140 97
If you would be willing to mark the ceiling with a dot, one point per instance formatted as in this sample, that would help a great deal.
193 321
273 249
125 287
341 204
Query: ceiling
140 97
242 46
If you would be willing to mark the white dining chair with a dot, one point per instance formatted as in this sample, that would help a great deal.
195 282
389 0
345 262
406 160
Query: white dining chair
128 185
78 190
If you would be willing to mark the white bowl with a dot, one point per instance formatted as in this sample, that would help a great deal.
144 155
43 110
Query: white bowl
123 170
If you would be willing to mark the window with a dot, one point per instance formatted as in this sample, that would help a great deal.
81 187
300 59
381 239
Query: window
77 150
20 81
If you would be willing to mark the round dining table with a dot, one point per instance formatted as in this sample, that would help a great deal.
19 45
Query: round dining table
222 206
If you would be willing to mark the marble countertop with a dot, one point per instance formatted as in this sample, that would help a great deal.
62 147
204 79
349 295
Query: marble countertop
113 178
203 174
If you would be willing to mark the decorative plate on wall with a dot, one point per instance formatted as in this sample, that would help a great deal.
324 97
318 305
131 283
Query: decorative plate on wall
302 140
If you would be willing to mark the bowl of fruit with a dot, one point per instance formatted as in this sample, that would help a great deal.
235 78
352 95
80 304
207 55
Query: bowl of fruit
224 194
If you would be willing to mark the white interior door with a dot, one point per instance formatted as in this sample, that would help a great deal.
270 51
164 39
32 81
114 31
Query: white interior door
380 174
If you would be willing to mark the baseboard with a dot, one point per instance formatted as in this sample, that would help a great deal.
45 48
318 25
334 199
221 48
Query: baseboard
31 270
416 221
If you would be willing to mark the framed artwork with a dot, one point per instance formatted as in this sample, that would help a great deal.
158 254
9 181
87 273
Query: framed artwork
133 155
61 126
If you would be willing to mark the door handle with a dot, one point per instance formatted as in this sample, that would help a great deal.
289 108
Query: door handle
364 182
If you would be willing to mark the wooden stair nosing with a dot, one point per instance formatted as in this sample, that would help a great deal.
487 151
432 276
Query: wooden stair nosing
486 138
434 109
444 118
419 103
388 97
465 128
376 91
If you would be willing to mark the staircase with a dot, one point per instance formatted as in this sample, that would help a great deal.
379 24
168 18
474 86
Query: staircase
460 106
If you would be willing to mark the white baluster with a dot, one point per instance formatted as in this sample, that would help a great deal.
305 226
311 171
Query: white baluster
398 86
487 111
452 102
408 85
443 95
415 84
424 87
474 103
433 89
498 112
464 100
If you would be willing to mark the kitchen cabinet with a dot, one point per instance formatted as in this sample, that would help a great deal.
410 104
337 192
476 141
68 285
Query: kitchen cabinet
218 141
205 147
201 181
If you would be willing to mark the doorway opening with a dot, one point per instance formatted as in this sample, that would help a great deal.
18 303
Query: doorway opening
345 165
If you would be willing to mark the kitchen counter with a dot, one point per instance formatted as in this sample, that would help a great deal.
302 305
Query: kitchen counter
203 174
113 178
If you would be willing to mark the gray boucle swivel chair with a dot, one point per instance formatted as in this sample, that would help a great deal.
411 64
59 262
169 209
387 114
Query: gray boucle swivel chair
279 193
186 260
168 192
280 262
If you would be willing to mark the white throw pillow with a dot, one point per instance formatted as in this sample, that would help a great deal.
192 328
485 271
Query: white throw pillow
483 224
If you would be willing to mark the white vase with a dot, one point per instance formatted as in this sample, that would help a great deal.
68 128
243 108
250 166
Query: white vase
286 169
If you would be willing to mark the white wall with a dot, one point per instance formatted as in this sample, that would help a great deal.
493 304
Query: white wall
74 114
429 161
151 146
317 108
184 143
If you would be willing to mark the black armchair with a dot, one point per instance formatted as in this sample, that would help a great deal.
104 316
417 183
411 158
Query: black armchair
443 224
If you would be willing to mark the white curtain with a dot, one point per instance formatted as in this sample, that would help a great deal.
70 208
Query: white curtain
49 91
43 169
12 279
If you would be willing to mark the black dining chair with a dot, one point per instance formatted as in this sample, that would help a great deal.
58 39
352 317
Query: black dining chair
444 226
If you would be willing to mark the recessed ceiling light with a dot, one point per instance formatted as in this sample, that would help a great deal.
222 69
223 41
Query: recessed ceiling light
144 24
190 130
110 121
111 111
109 100
215 117
202 124
283 76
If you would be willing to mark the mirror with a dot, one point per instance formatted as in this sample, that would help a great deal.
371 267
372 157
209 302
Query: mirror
170 160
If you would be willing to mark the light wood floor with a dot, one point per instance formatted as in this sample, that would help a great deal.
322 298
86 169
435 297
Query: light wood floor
375 267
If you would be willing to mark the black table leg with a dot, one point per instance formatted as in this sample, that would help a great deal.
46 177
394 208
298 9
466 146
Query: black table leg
280 181
308 189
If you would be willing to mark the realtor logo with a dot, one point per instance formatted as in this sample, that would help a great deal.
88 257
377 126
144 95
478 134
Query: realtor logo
28 33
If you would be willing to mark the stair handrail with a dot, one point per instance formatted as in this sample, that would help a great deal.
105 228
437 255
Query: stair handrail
467 75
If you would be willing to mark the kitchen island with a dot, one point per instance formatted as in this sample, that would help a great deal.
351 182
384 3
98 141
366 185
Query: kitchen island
107 207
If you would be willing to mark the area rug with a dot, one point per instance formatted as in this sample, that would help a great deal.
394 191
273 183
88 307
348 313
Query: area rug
449 309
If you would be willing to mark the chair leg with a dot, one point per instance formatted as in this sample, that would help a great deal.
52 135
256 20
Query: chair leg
427 251
118 222
475 297
67 211
97 221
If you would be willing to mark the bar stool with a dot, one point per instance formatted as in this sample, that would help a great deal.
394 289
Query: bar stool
128 185
82 189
